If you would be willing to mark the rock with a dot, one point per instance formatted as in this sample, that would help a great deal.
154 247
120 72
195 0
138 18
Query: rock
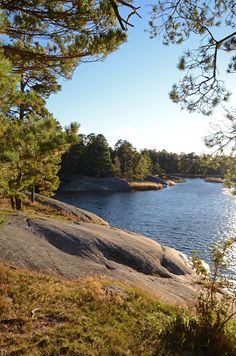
155 179
70 210
115 290
76 183
73 251
176 179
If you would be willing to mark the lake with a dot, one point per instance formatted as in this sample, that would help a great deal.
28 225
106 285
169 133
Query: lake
189 216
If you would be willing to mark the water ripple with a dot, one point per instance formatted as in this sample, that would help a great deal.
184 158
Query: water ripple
189 216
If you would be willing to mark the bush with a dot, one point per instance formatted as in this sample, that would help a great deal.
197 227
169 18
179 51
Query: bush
210 329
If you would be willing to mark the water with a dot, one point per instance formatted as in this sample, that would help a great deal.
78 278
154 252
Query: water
189 216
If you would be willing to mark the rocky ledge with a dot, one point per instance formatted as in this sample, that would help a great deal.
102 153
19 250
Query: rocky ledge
75 183
78 249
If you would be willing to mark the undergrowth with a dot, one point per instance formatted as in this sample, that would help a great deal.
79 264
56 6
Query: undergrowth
42 315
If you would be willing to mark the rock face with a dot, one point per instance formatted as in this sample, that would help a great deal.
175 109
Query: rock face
80 215
75 183
155 179
76 250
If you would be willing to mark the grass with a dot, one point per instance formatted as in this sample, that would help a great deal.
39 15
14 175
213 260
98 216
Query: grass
214 180
41 315
34 210
170 182
141 186
2 220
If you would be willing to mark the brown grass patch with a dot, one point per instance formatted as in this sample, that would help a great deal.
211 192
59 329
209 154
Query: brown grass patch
214 180
35 209
142 186
170 182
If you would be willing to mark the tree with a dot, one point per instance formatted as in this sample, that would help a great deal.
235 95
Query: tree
201 88
30 155
224 137
143 167
59 34
8 85
128 159
91 156
97 157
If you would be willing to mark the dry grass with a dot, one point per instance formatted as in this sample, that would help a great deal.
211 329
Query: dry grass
42 315
170 182
35 210
141 186
214 180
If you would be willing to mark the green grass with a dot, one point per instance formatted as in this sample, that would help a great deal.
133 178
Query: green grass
2 220
42 315
75 318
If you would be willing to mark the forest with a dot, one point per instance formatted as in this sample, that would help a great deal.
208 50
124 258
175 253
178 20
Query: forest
93 156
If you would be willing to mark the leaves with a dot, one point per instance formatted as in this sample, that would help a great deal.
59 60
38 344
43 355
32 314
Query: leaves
201 89
30 154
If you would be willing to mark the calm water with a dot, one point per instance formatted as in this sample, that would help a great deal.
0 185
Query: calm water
189 216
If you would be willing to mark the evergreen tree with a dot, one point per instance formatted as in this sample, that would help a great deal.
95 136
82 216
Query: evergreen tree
58 34
201 88
30 155
97 157
143 167
128 159
8 85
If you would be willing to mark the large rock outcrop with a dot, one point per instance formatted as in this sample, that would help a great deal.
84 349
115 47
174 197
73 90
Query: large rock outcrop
78 215
155 179
75 250
76 183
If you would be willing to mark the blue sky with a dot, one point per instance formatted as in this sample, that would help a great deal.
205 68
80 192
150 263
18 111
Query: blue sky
126 97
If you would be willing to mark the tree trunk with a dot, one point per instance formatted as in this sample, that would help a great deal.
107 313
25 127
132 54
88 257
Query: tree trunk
13 203
18 204
32 195
22 90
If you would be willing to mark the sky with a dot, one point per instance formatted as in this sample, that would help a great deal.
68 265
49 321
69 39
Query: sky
126 97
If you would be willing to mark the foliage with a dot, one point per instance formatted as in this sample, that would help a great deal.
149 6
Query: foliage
90 157
8 85
48 315
97 157
201 88
93 156
128 158
59 35
210 329
223 137
30 154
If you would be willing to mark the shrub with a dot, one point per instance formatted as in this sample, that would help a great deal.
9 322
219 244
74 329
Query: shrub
210 330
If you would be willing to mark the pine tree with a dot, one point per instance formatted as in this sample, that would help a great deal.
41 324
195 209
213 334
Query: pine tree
58 35
30 155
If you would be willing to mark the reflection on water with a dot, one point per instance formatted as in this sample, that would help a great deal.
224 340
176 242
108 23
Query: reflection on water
189 216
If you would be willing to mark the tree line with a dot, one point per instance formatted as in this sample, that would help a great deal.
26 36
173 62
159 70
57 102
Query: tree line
93 156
